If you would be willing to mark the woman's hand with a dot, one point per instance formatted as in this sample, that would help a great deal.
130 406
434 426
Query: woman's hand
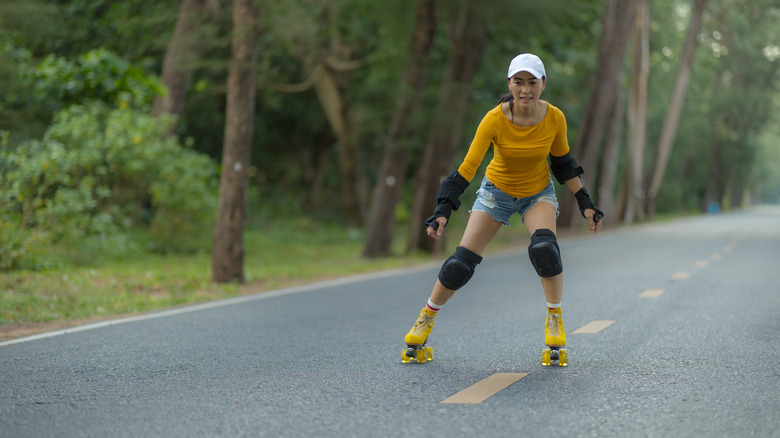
436 234
592 225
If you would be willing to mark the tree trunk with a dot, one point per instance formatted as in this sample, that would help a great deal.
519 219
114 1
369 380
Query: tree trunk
674 110
381 223
323 78
618 21
336 110
328 66
467 35
737 196
637 120
179 57
714 191
609 164
228 248
315 163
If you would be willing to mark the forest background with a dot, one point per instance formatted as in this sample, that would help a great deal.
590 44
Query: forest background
161 153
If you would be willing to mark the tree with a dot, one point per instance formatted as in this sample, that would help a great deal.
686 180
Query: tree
467 28
633 192
228 250
337 110
742 104
178 62
329 63
609 162
381 223
674 110
618 20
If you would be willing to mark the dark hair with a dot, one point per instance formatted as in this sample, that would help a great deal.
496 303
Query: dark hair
505 98
508 98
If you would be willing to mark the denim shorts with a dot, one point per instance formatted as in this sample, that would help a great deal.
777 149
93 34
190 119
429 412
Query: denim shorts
501 206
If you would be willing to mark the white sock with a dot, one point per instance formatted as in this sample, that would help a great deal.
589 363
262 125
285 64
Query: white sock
433 307
553 306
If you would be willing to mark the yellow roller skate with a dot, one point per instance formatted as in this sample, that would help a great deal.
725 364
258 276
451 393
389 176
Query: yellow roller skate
554 339
417 337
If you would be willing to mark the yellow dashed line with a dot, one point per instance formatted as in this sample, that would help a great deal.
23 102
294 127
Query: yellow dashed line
593 327
702 264
681 275
651 293
484 389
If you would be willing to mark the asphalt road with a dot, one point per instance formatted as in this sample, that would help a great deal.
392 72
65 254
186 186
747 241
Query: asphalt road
693 351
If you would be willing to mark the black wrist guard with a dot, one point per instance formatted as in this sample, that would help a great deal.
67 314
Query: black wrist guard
448 198
584 202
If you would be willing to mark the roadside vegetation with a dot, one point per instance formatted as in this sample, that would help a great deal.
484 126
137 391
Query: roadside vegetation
76 282
83 283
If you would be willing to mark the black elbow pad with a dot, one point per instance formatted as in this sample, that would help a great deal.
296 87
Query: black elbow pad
564 167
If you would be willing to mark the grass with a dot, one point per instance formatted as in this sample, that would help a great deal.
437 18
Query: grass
281 252
278 254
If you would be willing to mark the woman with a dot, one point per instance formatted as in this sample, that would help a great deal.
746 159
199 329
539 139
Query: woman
524 131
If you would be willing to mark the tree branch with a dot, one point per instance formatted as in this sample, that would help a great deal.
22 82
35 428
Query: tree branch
315 76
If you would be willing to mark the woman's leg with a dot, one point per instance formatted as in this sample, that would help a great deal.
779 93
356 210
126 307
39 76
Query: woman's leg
480 231
543 215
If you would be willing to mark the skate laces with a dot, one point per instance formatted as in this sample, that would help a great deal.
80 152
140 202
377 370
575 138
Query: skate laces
553 324
423 323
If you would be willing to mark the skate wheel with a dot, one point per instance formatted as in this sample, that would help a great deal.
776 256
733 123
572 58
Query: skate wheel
422 355
563 358
405 358
546 357
429 353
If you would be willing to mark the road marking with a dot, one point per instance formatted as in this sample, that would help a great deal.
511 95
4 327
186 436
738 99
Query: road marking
651 293
716 256
484 389
593 327
681 275
701 264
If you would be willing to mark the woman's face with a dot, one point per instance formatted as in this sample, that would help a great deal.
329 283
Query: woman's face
525 88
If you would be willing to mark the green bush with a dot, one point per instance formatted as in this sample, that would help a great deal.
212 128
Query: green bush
99 173
96 75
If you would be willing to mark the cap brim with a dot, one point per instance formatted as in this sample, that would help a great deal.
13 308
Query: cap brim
536 73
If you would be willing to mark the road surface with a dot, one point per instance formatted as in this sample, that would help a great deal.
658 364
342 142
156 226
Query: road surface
681 325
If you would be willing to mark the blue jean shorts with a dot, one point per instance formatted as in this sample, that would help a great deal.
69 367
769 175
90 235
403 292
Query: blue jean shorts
501 206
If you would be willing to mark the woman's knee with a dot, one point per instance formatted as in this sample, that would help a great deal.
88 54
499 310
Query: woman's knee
458 269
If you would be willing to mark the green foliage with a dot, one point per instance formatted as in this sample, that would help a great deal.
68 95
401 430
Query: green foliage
767 175
96 75
16 110
101 172
31 92
729 105
293 146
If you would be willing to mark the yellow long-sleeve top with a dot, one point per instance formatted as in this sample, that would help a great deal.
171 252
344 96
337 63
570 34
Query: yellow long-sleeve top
519 165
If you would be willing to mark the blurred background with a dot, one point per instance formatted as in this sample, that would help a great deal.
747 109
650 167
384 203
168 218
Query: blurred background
340 117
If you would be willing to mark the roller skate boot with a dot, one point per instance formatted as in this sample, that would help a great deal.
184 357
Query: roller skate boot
554 339
417 337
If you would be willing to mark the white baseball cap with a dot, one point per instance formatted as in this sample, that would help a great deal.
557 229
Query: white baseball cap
526 62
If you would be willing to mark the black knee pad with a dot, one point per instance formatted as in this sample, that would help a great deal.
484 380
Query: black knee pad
545 254
458 269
